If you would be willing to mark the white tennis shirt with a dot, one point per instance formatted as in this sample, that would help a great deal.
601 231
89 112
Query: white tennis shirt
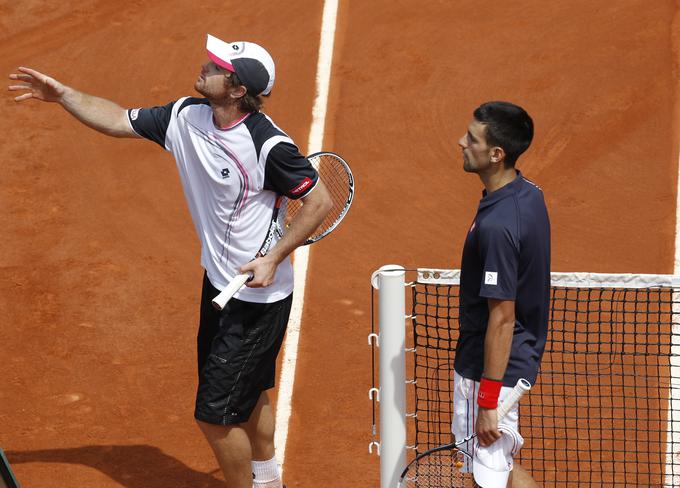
231 177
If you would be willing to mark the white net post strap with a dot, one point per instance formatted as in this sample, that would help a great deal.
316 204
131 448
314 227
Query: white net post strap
390 282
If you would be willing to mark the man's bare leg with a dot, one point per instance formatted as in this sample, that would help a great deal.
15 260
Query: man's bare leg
260 428
235 446
232 449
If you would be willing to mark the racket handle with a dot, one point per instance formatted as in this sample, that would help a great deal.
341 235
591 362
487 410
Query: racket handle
513 397
220 301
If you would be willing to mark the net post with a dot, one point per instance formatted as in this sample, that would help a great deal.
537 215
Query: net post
392 332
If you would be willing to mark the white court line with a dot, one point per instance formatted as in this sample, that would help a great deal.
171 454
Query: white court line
323 78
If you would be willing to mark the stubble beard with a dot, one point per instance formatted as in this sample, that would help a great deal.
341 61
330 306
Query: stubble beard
197 87
467 167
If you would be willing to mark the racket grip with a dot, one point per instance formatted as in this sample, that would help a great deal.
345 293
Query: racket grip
220 301
513 397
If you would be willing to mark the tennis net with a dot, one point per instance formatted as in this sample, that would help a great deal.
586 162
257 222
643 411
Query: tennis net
605 411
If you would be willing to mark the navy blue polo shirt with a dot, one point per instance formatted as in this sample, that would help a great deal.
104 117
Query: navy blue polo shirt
506 257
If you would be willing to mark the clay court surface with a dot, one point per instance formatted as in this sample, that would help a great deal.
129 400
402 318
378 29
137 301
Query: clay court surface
99 270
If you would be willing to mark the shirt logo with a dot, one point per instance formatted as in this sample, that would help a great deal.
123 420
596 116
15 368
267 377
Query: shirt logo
490 278
225 173
301 187
134 113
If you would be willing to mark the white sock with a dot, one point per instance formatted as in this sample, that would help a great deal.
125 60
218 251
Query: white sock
266 474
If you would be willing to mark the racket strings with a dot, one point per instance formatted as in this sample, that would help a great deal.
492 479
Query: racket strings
338 183
438 470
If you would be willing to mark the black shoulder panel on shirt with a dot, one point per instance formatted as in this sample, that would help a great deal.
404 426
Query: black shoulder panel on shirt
289 173
152 123
192 101
261 129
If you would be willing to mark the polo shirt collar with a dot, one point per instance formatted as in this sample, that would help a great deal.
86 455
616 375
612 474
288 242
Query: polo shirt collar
503 192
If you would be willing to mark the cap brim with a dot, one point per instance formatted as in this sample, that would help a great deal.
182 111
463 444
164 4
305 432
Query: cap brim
221 63
218 52
489 478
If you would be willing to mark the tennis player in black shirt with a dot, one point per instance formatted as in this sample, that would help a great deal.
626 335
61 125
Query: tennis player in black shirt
504 287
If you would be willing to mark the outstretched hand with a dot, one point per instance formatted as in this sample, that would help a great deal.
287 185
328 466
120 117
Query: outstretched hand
37 85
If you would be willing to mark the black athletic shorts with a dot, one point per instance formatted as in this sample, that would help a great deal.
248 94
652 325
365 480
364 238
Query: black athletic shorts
237 349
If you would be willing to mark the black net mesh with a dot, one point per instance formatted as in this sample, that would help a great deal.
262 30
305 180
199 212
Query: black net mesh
600 414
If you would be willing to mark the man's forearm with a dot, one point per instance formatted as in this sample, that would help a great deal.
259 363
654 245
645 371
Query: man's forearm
97 113
306 221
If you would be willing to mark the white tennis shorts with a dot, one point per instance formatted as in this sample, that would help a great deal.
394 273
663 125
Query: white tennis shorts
498 456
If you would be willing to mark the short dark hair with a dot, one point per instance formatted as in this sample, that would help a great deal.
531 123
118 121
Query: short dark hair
507 126
248 102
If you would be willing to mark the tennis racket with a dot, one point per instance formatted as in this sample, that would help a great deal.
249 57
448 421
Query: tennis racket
337 176
440 466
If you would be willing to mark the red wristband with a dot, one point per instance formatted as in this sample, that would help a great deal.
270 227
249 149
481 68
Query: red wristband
488 393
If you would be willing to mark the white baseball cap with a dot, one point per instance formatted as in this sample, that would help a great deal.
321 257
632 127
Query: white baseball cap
251 63
491 465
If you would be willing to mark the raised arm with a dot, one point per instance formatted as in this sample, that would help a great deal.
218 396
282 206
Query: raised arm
100 114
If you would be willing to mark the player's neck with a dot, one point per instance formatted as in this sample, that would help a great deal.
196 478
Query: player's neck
226 115
498 179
